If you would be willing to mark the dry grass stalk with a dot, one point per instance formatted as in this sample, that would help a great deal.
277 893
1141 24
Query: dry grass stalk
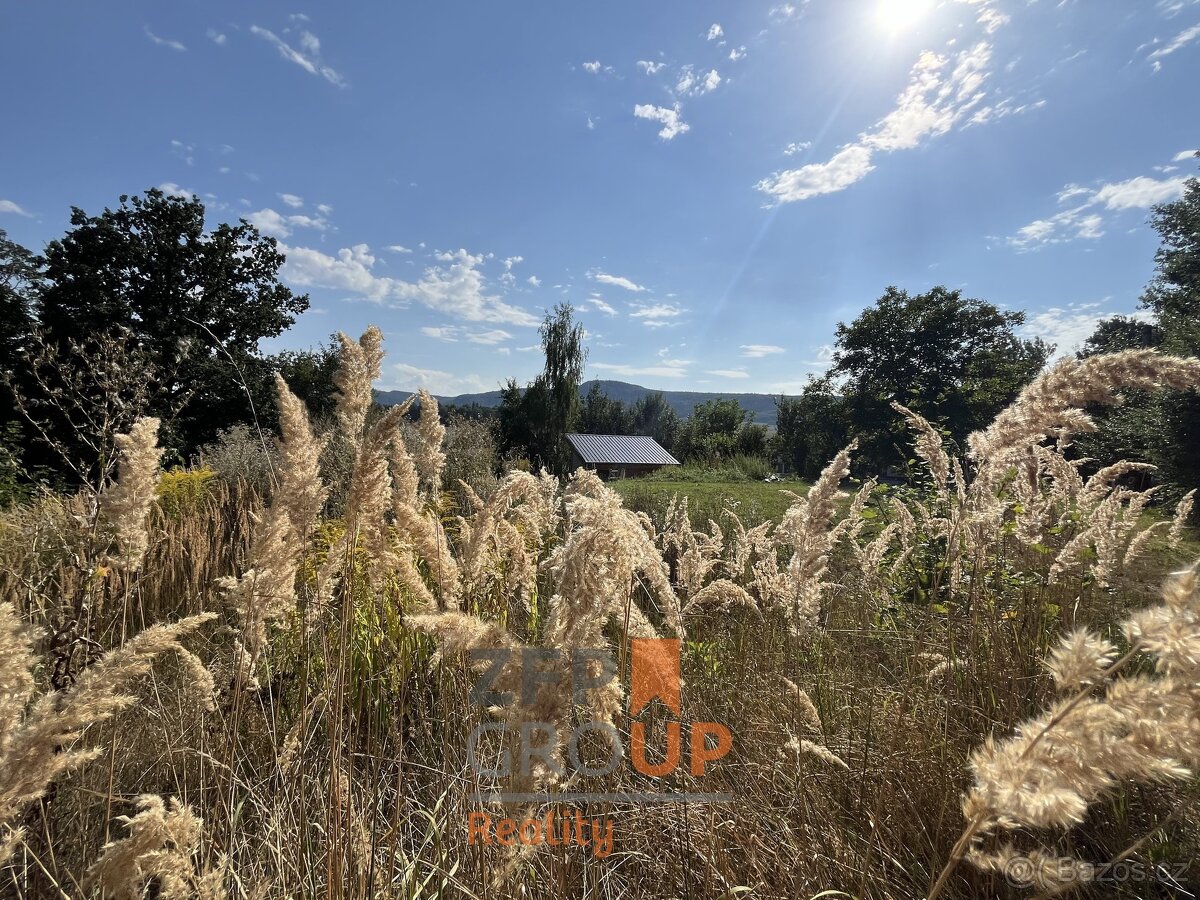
1141 727
39 743
158 855
125 505
358 368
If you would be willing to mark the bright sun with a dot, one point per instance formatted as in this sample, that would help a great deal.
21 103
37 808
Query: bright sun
900 15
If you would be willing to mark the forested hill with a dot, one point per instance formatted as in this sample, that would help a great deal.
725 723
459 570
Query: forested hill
762 405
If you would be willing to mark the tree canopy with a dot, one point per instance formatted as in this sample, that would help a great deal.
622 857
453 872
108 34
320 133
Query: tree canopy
195 302
955 360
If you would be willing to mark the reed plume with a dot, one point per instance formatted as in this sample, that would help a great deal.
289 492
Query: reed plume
1141 727
358 367
125 505
39 742
158 855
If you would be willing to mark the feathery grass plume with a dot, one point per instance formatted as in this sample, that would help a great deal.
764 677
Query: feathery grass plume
808 531
1141 543
1182 512
157 855
721 595
16 687
301 491
38 748
802 747
429 456
266 591
806 710
928 446
1035 869
745 544
405 480
1143 727
371 489
1052 404
595 567
358 368
696 554
125 505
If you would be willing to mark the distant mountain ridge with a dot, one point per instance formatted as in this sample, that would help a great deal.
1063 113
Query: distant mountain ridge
683 402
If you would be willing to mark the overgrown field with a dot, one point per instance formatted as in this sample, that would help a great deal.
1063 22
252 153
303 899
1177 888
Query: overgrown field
983 684
753 501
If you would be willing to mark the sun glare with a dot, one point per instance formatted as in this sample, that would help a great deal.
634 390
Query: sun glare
900 15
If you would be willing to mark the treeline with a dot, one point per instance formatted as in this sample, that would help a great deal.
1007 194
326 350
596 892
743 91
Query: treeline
959 361
142 311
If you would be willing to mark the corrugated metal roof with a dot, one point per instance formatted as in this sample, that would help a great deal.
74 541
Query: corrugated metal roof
621 449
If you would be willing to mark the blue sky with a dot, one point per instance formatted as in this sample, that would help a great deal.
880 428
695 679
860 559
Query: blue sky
712 185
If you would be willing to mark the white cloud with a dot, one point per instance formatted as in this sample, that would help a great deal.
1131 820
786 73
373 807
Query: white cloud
715 31
324 209
597 302
442 332
9 206
406 377
216 37
533 281
593 66
737 53
628 371
457 288
1084 221
291 200
728 373
1069 225
1185 155
796 147
783 12
1171 8
615 281
309 60
349 271
398 248
171 189
693 84
496 336
164 42
1139 193
941 93
650 68
656 315
848 165
1178 42
268 221
672 125
758 351
1067 328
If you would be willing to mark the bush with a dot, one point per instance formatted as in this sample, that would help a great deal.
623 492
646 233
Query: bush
180 490
240 453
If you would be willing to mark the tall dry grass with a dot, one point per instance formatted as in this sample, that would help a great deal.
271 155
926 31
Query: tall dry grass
923 685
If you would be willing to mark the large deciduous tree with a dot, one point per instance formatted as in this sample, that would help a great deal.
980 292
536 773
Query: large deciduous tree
1162 428
195 303
955 360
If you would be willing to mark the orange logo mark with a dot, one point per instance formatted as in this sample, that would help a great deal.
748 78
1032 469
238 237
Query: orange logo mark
656 673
